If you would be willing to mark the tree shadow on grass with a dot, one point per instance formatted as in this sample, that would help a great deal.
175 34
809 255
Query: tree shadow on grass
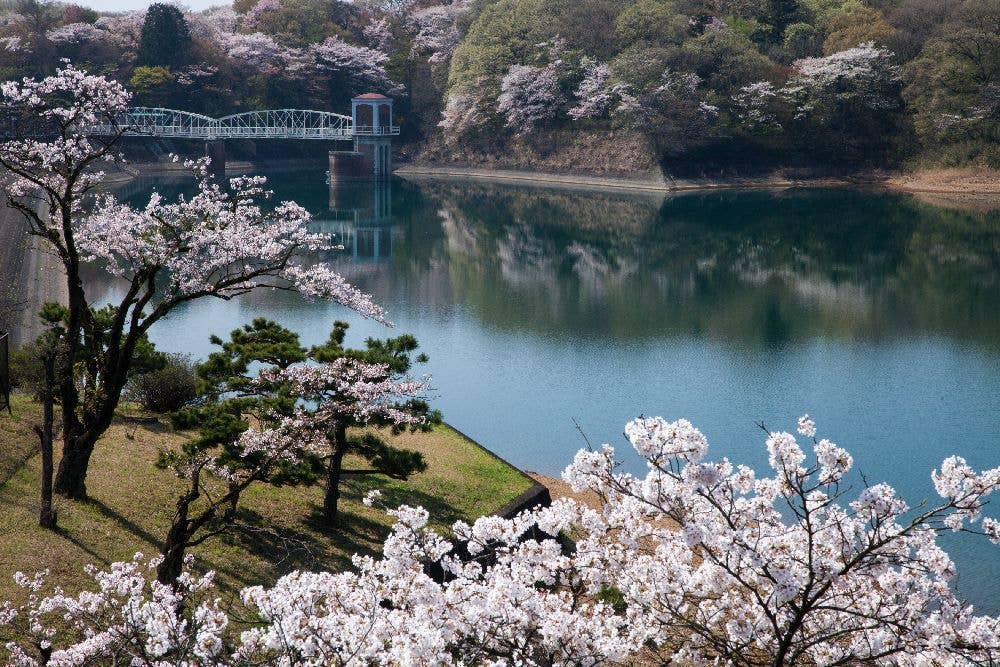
126 523
392 496
69 537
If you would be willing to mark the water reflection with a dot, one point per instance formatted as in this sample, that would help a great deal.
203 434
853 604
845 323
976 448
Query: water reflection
751 267
359 219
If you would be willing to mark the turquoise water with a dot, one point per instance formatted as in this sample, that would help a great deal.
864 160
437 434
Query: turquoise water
554 316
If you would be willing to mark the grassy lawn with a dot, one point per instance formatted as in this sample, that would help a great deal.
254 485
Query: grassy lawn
131 504
17 438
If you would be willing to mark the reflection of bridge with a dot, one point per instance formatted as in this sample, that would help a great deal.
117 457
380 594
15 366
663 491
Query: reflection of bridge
270 124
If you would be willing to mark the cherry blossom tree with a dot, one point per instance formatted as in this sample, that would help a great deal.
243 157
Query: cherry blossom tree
672 112
463 112
864 76
697 562
756 105
530 95
351 68
378 34
123 30
437 33
75 33
220 242
263 7
593 96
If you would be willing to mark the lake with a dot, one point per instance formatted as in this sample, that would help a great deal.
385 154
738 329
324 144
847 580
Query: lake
552 317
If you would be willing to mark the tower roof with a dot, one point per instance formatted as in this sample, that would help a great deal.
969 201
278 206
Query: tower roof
372 96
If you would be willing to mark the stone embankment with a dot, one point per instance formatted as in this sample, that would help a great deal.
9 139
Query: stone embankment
30 275
648 182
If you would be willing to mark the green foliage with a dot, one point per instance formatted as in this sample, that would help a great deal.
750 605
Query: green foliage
302 22
27 373
504 34
234 396
802 40
614 597
953 87
152 85
820 11
641 67
393 462
852 26
169 388
27 366
725 60
260 342
657 22
165 39
752 29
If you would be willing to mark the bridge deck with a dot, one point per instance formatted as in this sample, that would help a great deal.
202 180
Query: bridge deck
268 124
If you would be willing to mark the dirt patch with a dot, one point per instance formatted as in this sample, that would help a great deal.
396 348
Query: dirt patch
972 187
560 489
970 180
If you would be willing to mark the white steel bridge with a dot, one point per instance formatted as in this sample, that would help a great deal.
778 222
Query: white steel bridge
269 124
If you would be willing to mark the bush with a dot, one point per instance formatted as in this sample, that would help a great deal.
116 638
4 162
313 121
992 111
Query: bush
169 388
27 373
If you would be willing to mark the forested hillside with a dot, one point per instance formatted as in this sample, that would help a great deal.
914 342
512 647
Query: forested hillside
702 84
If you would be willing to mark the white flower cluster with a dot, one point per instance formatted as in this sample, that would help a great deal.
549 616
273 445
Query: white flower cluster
348 387
695 561
592 95
437 34
865 75
530 95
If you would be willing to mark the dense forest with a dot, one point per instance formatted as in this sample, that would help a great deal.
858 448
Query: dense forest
743 84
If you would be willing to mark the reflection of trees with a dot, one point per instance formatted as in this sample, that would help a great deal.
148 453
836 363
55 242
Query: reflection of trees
749 266
739 266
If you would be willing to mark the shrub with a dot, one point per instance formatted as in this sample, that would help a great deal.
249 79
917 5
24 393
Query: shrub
27 373
168 389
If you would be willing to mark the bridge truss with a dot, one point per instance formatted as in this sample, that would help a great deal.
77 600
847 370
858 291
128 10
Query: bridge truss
269 124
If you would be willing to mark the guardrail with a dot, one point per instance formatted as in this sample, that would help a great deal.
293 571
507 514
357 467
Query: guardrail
381 130
263 124
5 371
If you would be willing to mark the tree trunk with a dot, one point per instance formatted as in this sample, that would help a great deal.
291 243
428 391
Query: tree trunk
79 442
72 470
46 516
333 475
72 475
177 540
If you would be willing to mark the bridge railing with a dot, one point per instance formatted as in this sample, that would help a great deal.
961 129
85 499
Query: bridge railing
265 124
376 130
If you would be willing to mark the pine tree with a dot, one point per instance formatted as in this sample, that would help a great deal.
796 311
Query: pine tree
165 39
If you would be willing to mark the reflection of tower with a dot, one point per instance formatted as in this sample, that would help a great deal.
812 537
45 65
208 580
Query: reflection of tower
361 220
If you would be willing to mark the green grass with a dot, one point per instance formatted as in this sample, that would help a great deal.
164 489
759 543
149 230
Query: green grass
17 437
131 505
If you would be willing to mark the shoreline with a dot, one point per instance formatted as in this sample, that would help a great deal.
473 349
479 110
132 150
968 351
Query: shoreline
638 183
977 185
974 183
